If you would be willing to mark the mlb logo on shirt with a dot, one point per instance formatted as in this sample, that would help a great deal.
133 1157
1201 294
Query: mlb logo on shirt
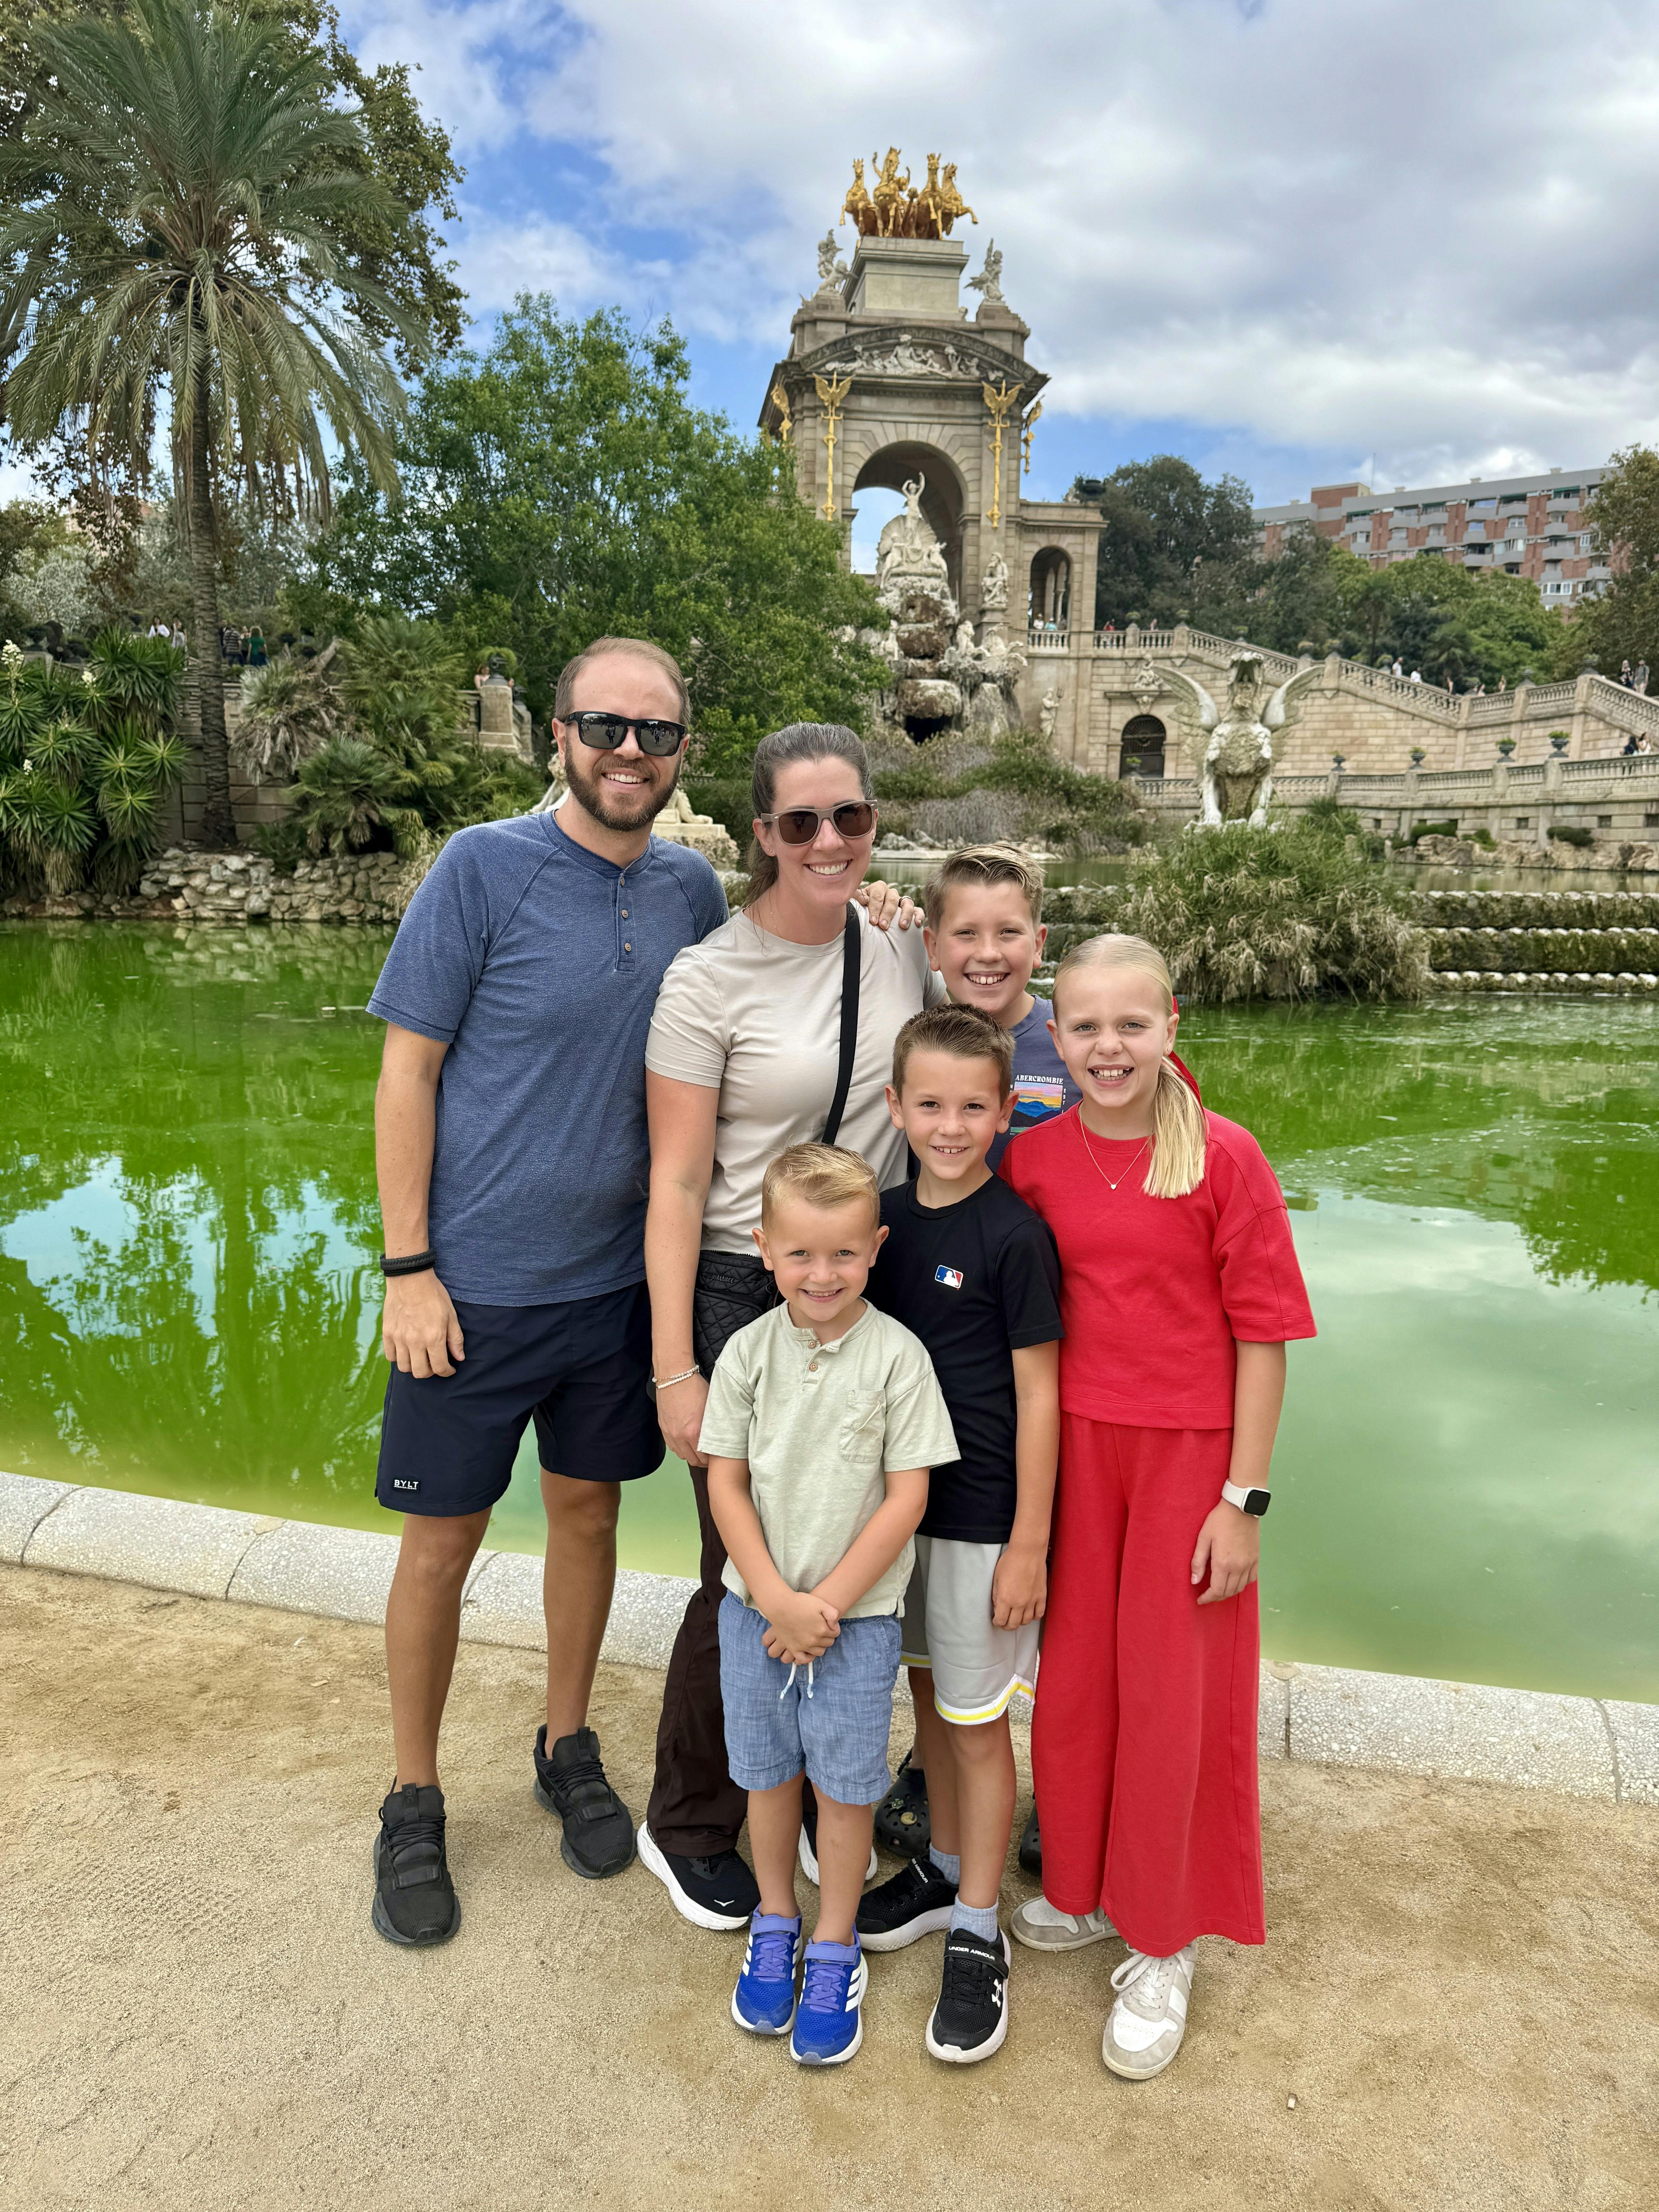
951 1277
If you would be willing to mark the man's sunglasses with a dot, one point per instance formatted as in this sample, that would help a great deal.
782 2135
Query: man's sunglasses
798 826
606 731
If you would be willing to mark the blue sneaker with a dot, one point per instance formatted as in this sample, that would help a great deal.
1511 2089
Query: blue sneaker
764 2000
829 2025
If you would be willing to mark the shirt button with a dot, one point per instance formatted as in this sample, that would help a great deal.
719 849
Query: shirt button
628 948
811 1366
624 913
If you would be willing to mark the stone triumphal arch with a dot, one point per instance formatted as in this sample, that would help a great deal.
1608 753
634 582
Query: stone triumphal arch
891 381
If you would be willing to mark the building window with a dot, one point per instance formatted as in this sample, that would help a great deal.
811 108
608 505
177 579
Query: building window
1604 821
1523 820
1377 820
1650 821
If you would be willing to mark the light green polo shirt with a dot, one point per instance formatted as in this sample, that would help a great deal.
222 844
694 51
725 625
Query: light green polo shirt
821 1426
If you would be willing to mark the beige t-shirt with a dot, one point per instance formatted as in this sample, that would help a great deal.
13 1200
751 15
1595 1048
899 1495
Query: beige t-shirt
758 1019
821 1426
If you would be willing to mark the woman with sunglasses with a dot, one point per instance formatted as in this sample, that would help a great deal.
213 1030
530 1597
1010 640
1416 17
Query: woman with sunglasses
742 1060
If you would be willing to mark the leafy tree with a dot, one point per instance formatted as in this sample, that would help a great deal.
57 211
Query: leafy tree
382 758
1171 539
562 487
1623 622
182 211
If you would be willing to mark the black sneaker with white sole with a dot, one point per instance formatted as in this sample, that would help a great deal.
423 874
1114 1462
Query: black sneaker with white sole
1031 1847
570 1782
415 1899
970 2020
718 1891
915 1902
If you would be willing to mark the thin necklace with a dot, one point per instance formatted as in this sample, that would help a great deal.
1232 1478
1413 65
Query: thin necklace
1100 1170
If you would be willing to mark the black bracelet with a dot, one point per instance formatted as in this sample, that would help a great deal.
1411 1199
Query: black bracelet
410 1263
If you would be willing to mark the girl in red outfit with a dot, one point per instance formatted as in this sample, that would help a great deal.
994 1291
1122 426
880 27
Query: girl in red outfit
1180 1291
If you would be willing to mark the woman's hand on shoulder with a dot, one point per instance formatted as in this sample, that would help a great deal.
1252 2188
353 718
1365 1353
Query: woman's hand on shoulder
885 904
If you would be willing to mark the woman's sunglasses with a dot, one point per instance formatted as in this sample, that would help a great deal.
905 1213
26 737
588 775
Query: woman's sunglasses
606 731
798 826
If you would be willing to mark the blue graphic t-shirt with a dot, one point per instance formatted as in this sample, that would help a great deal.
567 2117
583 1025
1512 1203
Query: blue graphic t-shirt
1041 1086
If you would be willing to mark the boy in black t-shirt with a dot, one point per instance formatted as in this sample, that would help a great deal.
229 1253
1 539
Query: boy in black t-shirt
973 1272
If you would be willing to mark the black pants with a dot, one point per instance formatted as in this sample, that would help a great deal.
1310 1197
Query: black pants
696 1808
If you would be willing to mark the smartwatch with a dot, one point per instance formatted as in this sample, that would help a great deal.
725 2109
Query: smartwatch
1247 1501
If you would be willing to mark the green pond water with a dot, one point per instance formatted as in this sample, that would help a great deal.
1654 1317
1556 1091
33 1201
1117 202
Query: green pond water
1467 1480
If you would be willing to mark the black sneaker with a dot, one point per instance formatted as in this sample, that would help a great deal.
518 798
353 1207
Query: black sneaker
901 1822
1031 1847
912 1903
721 1892
970 2020
599 1828
414 1900
806 1851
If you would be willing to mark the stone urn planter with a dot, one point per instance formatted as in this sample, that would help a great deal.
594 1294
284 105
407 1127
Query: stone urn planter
1505 747
1558 741
1419 754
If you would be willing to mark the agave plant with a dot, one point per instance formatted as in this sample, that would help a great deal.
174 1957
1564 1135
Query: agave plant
85 761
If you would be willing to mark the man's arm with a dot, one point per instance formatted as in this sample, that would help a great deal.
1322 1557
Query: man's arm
681 1116
1019 1589
418 1328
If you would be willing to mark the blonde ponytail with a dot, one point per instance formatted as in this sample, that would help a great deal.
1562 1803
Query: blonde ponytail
1180 1132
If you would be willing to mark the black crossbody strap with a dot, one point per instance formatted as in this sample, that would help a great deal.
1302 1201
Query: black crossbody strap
852 960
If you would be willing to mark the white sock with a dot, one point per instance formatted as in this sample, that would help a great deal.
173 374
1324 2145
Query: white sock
979 1920
948 1862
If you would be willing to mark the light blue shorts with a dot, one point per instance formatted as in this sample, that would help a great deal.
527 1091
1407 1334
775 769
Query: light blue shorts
834 1719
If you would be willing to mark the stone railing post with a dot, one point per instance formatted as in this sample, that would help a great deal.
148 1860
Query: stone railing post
1132 636
1179 639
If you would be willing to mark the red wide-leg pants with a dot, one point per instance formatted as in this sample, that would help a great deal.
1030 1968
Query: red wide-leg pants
1144 1744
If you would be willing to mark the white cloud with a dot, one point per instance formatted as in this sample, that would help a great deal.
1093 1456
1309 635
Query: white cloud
1397 229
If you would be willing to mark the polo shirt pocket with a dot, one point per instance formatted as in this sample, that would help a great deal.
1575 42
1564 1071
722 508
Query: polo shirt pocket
864 1423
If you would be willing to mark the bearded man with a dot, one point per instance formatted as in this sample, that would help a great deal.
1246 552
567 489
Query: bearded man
510 1140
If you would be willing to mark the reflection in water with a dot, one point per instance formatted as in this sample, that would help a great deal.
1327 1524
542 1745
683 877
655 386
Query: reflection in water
188 1228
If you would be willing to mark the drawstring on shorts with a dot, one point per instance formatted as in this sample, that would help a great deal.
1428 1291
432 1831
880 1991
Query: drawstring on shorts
785 1691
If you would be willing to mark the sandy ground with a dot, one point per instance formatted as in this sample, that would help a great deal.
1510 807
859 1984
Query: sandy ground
1458 2006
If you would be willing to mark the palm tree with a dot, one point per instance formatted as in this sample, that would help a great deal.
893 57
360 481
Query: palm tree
172 207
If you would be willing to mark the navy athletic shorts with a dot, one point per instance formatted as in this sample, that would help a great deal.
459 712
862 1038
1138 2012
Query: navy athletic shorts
578 1369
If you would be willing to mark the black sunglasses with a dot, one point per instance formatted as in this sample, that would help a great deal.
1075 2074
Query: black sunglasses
798 826
606 731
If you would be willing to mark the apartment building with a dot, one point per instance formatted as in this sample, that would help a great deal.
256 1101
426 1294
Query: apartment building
1533 526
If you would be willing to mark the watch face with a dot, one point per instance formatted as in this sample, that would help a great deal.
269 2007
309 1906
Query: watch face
1258 1501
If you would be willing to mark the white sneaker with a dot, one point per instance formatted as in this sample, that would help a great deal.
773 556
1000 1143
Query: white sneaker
1043 1927
1145 2026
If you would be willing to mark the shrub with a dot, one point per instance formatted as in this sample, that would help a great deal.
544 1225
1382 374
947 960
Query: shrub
1262 914
85 760
1573 833
1448 829
290 708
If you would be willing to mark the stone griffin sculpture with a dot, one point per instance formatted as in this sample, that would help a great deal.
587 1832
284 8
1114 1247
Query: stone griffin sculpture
1236 767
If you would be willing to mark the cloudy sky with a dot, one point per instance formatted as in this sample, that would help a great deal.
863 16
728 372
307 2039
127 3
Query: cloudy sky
1407 240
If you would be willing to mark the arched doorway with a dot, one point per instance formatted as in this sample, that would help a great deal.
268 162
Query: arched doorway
1141 752
1051 592
942 499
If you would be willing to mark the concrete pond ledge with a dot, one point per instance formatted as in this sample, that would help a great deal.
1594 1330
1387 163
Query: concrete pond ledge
1331 1716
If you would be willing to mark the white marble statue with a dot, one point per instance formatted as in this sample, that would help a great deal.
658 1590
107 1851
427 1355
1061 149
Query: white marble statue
994 586
1236 767
989 279
832 270
909 557
1050 715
